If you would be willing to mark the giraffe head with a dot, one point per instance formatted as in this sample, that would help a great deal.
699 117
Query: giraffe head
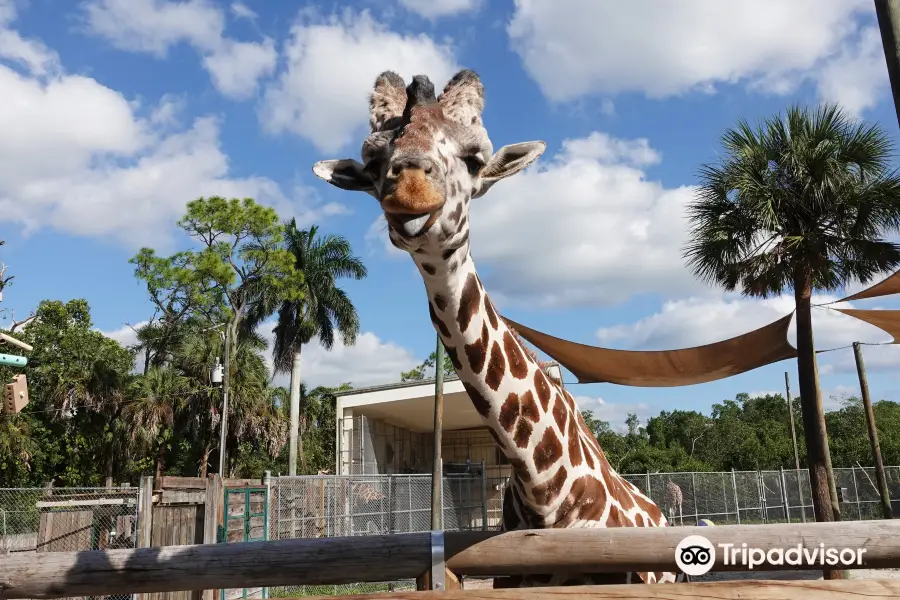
426 157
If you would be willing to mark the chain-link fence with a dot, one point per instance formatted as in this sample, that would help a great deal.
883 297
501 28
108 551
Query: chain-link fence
72 519
36 520
348 505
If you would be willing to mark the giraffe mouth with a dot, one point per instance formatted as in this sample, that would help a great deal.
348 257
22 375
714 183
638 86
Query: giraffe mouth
411 226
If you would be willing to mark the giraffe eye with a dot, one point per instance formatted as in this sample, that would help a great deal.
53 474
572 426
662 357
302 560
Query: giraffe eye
473 163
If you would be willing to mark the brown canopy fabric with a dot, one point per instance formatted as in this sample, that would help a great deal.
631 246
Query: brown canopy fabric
886 320
667 368
889 286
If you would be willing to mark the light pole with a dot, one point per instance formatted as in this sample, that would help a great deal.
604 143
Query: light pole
224 423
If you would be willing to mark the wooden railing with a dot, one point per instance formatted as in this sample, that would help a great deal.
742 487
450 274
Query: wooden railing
405 556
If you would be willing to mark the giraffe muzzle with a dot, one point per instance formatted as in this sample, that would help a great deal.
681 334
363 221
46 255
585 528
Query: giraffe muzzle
412 202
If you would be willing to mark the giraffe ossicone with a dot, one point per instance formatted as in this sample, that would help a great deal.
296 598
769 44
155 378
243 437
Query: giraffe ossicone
425 159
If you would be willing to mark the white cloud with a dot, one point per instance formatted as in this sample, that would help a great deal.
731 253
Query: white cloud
579 47
126 335
79 157
322 94
697 321
857 75
371 361
154 26
585 228
433 9
242 11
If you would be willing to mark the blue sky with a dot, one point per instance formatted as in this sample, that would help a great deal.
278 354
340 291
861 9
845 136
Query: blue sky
116 113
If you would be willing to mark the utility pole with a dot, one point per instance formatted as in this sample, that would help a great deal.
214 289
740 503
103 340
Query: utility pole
437 475
295 414
787 387
225 381
873 433
888 12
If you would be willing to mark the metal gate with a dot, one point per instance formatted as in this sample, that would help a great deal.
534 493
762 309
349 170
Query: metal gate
245 519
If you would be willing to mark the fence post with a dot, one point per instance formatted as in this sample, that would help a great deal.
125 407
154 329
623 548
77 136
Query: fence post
694 496
856 492
784 496
484 498
145 512
648 485
211 519
737 504
761 489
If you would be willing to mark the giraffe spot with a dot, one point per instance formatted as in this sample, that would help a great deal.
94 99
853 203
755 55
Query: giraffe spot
476 352
491 313
496 368
639 520
626 499
574 444
547 492
529 408
548 450
448 253
454 188
429 268
542 386
560 413
518 368
657 576
481 405
615 518
454 358
468 302
509 412
447 231
462 223
437 322
530 519
520 468
440 302
523 433
570 401
453 267
651 510
456 214
591 497
588 458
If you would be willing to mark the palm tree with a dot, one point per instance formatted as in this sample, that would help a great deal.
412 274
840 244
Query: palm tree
161 394
324 311
802 203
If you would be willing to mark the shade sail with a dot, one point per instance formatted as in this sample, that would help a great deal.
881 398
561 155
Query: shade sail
667 368
888 286
886 320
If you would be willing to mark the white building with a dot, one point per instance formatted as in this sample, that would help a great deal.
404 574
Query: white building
389 429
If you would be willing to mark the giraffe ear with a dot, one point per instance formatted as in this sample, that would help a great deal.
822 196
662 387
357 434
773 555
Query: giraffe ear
508 161
346 174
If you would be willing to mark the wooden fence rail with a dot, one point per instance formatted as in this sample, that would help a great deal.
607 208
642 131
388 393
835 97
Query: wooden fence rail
406 556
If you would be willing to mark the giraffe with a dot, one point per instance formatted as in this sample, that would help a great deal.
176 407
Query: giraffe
423 161
674 499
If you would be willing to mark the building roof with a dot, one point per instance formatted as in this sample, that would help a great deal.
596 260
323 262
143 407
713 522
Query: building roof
405 384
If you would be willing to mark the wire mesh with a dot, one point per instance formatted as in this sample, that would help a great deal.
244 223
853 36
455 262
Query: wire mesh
37 520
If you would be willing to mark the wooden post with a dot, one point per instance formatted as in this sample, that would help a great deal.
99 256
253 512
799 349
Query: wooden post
790 407
888 13
211 519
873 433
145 512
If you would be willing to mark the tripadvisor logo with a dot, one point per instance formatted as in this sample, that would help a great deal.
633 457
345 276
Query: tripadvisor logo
695 555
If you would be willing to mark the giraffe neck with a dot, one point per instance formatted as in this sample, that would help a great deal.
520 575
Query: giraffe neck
560 474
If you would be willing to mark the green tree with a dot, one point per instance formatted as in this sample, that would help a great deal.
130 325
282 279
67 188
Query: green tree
321 310
803 203
427 367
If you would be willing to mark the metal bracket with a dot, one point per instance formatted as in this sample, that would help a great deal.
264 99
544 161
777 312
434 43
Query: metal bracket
438 566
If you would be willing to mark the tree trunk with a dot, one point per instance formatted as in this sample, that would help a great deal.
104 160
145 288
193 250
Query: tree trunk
295 451
204 460
160 458
818 456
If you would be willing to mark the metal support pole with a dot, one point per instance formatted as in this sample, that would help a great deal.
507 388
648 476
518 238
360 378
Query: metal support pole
886 511
226 380
737 505
790 407
437 519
